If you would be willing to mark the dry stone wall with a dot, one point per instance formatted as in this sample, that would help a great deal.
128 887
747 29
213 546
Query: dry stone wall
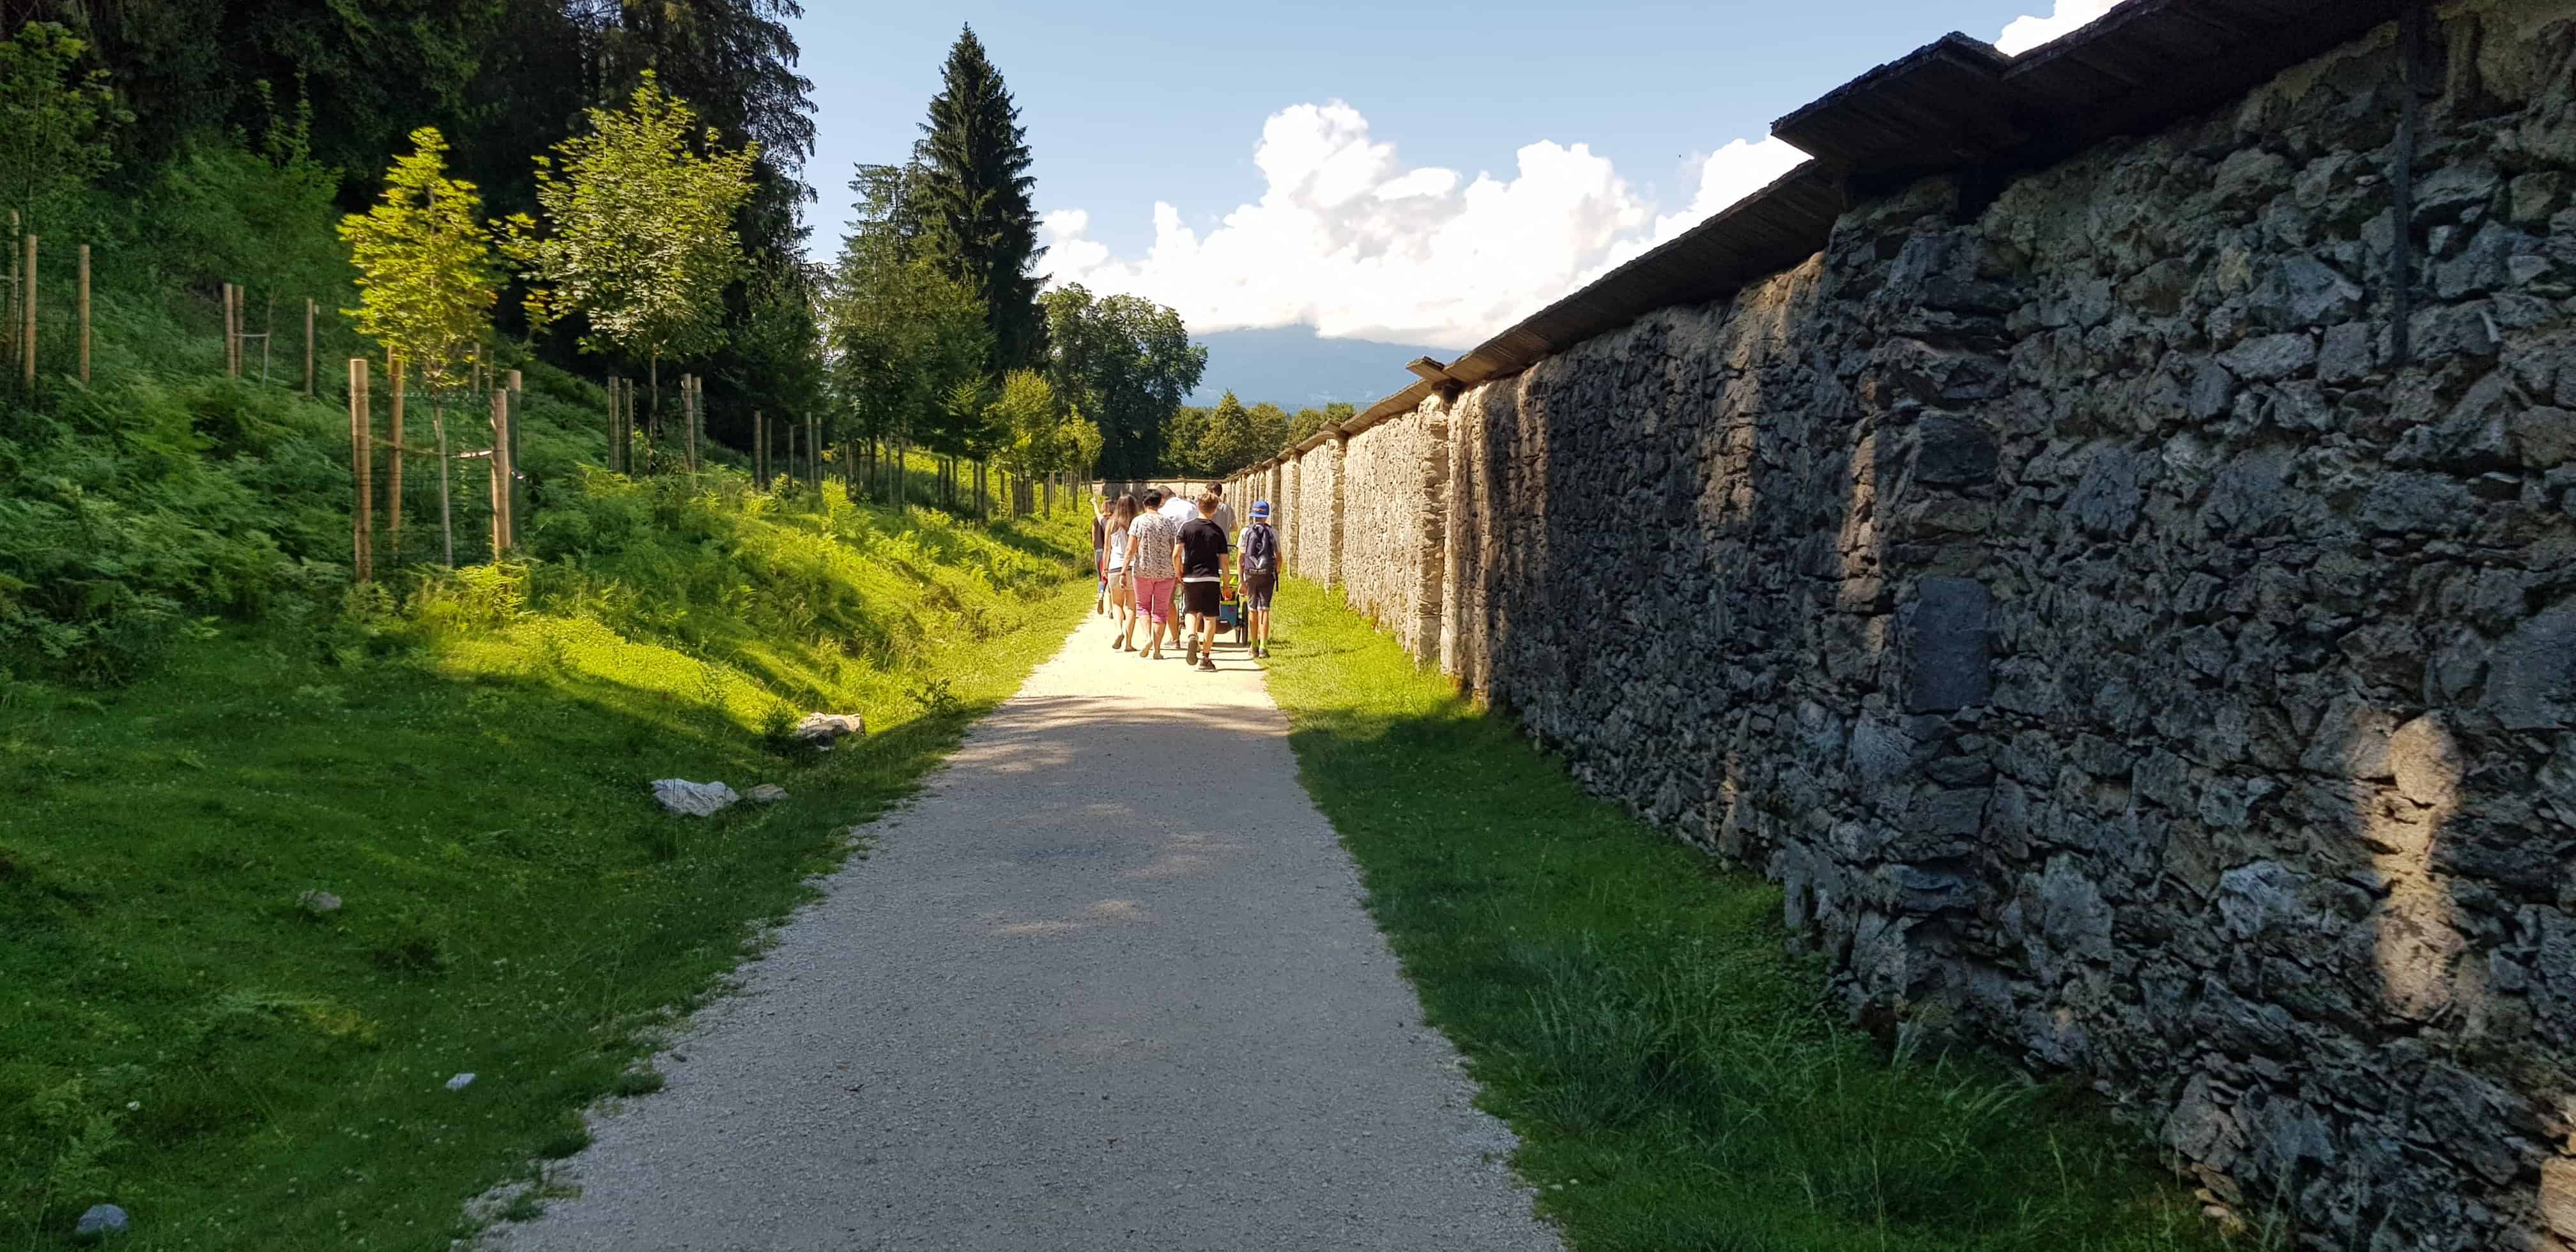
2113 650
1393 532
1316 520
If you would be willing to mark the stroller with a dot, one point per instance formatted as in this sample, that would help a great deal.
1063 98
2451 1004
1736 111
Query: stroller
1229 611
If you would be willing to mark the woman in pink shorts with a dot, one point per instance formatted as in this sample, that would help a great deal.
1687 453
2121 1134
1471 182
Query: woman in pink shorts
1150 540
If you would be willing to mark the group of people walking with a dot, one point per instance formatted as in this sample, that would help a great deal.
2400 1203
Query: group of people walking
1166 562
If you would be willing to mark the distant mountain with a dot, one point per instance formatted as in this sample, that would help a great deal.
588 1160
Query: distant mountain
1292 367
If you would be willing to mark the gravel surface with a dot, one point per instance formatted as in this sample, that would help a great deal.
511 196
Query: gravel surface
1106 984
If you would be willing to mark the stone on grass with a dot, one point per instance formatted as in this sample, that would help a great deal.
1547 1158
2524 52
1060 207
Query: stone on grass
766 793
460 1082
101 1221
693 799
318 902
822 730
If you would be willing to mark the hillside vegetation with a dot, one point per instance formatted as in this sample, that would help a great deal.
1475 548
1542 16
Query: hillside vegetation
202 719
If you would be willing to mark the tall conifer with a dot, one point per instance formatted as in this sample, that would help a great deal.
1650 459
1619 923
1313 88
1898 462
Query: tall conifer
975 189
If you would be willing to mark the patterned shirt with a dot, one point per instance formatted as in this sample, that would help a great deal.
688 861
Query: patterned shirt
1154 535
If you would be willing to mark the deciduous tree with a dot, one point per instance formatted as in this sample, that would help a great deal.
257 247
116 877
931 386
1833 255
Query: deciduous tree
426 281
1127 362
54 125
903 336
639 237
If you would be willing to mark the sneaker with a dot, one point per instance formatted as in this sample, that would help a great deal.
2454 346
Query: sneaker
1207 665
1190 655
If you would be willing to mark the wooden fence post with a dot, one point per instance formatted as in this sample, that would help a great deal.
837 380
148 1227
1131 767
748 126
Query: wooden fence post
27 288
394 371
500 462
613 466
362 463
232 368
760 448
518 482
308 370
84 314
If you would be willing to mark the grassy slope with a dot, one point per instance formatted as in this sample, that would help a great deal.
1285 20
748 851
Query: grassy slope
1627 1005
464 764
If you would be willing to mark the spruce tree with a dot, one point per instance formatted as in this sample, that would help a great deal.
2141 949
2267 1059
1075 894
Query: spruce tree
975 206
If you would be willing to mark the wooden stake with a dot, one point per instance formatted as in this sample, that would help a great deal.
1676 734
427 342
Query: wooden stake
308 385
362 463
84 314
395 370
760 447
500 460
518 485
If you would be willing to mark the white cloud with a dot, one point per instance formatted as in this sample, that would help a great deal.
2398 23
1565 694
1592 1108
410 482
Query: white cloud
1727 175
2029 31
1348 239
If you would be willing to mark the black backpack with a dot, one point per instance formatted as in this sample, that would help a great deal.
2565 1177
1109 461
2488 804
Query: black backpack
1260 549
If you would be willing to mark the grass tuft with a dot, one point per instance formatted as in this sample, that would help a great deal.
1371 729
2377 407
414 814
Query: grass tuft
1676 1075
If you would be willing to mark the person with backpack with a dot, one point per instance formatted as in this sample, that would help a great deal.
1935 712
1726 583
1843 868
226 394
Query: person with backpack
1258 558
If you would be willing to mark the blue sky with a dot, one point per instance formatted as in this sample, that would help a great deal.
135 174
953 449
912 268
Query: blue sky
1439 143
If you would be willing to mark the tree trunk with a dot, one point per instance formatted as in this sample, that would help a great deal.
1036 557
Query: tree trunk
446 516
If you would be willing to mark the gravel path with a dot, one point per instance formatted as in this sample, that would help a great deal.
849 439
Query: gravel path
1106 984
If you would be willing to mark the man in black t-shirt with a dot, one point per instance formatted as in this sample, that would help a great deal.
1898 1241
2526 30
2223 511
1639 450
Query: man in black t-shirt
1202 557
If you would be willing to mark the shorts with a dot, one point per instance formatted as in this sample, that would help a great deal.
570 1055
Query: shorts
1154 598
1202 597
1115 580
1256 591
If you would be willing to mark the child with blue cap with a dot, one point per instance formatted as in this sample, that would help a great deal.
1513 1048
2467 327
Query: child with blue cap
1258 557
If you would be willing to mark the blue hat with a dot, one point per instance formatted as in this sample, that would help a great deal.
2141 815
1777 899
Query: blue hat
1261 508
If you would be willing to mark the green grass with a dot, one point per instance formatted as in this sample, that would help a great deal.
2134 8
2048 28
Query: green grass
1627 1004
465 765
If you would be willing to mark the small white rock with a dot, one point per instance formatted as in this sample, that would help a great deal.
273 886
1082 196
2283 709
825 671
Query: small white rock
693 799
823 729
318 902
766 793
460 1082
